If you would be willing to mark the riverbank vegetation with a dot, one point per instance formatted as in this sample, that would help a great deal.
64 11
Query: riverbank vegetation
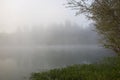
108 69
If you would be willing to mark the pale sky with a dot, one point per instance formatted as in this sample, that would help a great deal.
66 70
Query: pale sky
16 13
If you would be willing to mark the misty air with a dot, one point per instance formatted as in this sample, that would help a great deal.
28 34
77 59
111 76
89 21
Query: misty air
59 39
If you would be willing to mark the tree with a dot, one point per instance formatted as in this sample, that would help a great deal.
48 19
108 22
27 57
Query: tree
106 15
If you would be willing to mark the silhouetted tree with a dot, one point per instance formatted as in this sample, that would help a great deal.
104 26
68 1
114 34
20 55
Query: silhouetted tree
106 14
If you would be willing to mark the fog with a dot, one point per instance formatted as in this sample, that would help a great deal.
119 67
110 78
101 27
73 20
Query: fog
17 13
38 48
38 35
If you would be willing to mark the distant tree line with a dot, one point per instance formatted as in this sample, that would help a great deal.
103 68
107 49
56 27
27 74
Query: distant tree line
64 34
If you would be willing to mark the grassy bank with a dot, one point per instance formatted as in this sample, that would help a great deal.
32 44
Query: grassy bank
108 69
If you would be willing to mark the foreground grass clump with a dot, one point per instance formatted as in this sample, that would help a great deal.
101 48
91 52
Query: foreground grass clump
108 69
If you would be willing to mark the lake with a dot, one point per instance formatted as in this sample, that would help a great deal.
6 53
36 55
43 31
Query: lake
16 63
